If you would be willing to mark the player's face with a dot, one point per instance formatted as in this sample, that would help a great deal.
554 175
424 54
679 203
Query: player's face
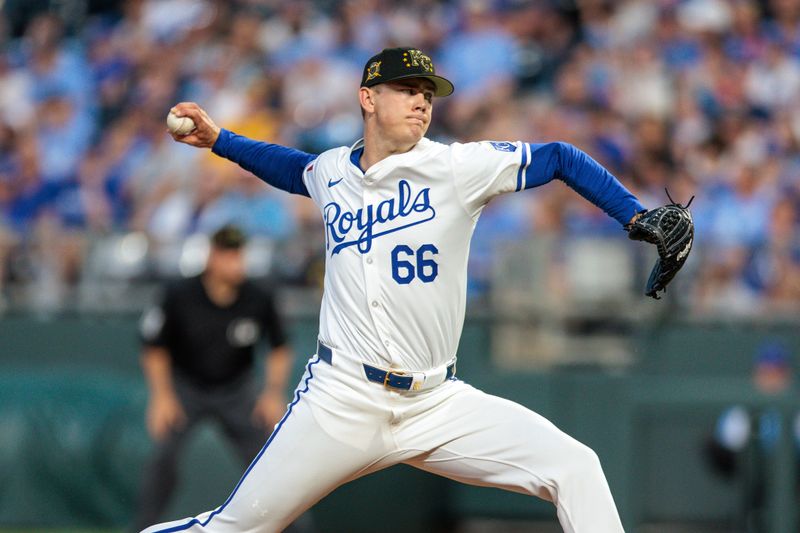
226 265
403 109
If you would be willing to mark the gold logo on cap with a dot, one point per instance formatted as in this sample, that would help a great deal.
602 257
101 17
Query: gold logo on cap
374 70
417 59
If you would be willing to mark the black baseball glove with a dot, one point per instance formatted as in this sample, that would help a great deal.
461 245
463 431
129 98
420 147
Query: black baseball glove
671 229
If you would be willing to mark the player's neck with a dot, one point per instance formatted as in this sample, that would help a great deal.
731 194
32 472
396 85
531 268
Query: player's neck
377 148
219 292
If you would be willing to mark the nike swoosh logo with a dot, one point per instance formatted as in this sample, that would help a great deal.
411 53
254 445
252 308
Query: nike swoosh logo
331 183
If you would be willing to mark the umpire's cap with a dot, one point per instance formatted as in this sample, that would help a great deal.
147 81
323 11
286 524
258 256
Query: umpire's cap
399 63
229 237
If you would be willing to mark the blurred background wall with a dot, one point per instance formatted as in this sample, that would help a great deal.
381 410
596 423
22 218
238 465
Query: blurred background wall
98 206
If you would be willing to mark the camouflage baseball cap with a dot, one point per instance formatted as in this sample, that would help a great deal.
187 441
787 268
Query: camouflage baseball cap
399 63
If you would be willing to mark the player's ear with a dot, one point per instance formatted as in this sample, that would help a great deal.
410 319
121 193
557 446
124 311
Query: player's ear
366 98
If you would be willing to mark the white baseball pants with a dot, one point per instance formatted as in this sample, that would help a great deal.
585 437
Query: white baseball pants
341 427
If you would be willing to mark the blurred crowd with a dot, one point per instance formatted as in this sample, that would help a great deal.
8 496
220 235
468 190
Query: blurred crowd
700 96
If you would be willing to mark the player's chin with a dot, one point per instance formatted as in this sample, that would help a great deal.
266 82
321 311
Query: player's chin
416 131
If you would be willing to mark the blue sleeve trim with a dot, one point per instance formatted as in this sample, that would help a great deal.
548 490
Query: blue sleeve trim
277 165
583 174
523 166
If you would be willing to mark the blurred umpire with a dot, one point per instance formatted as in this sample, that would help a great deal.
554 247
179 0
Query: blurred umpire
199 359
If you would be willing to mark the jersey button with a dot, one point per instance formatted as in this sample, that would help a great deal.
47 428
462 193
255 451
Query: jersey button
369 260
374 303
386 343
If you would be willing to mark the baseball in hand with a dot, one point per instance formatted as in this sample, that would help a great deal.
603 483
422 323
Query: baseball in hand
179 125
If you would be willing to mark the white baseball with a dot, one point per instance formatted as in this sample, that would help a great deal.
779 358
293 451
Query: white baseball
179 125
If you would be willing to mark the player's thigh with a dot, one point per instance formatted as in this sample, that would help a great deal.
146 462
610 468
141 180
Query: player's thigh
485 440
299 465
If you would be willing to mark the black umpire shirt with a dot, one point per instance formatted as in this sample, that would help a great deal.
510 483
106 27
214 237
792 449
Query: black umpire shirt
211 345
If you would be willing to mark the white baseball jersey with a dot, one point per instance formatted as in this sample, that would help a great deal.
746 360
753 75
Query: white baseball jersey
397 243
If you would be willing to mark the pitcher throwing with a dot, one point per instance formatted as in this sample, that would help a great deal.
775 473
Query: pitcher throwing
399 211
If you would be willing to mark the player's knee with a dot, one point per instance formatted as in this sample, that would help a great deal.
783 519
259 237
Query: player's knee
582 464
575 466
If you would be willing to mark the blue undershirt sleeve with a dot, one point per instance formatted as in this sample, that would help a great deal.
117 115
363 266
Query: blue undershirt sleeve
277 165
583 174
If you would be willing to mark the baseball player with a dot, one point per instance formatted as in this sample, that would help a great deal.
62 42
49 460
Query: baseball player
398 212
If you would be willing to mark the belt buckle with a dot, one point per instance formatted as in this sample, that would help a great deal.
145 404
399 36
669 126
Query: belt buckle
388 375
